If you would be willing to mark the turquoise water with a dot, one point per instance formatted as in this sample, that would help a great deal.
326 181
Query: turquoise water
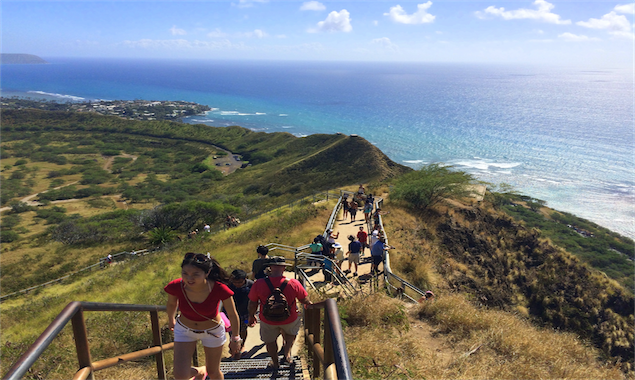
563 135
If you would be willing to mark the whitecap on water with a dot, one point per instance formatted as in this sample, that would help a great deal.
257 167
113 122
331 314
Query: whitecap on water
61 96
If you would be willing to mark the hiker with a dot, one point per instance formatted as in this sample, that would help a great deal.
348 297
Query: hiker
354 248
259 265
362 236
377 253
316 249
277 297
207 228
368 208
427 296
197 295
345 206
328 264
338 253
353 210
240 285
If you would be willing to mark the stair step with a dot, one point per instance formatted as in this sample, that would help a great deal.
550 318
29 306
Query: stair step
248 369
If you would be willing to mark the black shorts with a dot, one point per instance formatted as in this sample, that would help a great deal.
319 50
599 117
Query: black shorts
377 260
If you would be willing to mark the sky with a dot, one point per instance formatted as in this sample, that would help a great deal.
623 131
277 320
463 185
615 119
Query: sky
597 33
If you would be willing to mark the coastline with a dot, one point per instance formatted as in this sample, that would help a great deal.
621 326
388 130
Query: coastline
567 156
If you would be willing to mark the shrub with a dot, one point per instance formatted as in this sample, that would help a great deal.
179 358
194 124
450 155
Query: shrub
10 221
8 236
18 207
431 184
161 236
21 161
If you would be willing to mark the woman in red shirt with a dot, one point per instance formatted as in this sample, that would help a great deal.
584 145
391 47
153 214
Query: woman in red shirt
198 294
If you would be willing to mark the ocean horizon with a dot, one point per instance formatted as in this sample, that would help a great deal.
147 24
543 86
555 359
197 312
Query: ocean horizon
561 134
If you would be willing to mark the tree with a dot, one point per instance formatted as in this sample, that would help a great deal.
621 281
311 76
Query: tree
431 184
18 207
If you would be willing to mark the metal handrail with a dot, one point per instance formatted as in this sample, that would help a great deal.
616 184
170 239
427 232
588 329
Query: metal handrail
336 271
74 312
388 274
333 356
100 264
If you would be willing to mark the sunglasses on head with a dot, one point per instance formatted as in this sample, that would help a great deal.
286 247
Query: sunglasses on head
197 257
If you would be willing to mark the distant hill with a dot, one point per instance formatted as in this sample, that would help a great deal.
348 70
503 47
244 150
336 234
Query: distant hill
21 59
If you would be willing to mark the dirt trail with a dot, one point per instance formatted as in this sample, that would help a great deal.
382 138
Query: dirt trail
111 159
28 198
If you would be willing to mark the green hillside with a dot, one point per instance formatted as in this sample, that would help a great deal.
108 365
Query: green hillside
106 185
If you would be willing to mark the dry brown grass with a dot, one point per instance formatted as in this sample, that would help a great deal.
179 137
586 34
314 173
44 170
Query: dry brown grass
458 341
466 341
505 346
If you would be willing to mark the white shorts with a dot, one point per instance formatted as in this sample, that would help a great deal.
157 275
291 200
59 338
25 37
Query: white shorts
214 337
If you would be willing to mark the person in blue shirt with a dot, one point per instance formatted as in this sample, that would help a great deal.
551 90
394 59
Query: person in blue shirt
241 286
354 248
377 253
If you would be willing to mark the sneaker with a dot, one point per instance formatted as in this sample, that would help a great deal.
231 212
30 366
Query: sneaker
355 274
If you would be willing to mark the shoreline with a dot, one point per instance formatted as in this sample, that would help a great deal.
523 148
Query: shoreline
483 169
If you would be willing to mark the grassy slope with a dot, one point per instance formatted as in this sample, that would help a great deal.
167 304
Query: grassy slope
284 168
383 341
285 162
139 281
503 265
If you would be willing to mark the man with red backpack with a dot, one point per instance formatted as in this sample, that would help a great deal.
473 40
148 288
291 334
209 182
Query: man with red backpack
277 297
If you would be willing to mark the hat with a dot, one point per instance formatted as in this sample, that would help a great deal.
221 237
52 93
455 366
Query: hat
279 260
375 233
337 245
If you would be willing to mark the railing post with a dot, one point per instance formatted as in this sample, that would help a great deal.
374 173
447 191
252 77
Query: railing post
81 342
156 340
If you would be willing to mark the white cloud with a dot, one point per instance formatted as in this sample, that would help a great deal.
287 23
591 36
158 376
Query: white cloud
178 44
616 25
312 6
249 3
177 32
216 34
335 22
576 37
384 42
626 8
259 33
421 16
543 13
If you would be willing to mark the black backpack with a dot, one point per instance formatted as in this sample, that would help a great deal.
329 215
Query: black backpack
276 309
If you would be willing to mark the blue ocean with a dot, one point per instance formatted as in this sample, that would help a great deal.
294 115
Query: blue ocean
564 135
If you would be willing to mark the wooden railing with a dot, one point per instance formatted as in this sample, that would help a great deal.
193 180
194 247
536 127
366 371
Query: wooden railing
331 357
74 312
